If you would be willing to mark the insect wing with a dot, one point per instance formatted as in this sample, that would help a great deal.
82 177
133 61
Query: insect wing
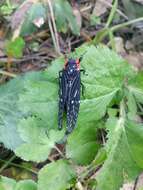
63 80
73 102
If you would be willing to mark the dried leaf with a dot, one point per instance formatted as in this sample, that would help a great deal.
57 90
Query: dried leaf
19 15
101 7
78 17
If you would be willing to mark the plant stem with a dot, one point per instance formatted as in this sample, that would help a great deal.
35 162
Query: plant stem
7 73
7 163
54 26
52 32
112 13
117 10
60 152
20 166
122 109
105 31
119 26
112 41
8 3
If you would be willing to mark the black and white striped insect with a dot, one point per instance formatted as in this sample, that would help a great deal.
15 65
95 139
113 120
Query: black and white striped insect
69 94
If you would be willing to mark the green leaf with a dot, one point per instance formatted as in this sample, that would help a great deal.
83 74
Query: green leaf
100 157
15 48
97 105
64 17
135 139
102 68
57 175
40 143
10 184
7 183
98 91
26 185
36 11
9 113
43 105
124 152
82 144
132 105
135 87
7 10
37 99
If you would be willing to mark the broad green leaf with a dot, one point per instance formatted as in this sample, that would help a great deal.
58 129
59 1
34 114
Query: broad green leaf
40 99
9 113
64 16
15 48
135 87
135 138
82 144
106 72
99 90
37 140
26 185
132 105
36 11
97 105
124 153
57 175
10 184
7 183
37 98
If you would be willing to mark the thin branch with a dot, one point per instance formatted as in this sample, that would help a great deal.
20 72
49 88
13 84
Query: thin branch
136 182
7 73
117 10
26 58
20 166
112 13
52 32
7 163
54 26
119 26
60 152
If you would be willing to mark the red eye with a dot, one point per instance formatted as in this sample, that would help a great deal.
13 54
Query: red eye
66 62
78 63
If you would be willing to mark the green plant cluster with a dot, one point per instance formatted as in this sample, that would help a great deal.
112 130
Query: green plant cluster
30 13
112 103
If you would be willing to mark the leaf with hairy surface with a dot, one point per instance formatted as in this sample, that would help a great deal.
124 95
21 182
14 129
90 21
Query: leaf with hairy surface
124 153
37 140
82 144
57 175
11 184
38 97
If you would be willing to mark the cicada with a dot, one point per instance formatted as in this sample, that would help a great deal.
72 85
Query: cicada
69 94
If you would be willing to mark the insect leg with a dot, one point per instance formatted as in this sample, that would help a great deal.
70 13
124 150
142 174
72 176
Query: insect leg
82 89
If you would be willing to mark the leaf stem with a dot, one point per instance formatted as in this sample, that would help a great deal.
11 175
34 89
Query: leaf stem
7 163
112 41
112 13
119 26
105 31
8 3
122 109
7 73
60 152
54 26
20 166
